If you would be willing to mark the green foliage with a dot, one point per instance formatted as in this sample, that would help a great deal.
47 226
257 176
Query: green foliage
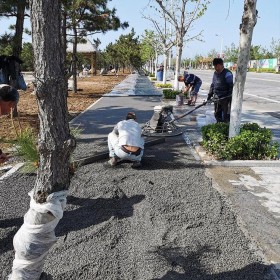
163 85
170 93
149 44
259 52
26 147
275 47
6 44
126 52
262 70
231 53
27 57
253 142
76 131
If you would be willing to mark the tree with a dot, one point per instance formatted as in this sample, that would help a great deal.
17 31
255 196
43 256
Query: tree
182 17
249 20
164 36
150 49
212 53
231 53
86 17
55 143
128 50
17 9
275 47
27 57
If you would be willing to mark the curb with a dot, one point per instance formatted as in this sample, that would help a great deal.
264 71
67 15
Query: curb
206 159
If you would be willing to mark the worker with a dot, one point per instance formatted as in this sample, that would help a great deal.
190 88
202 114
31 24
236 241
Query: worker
125 142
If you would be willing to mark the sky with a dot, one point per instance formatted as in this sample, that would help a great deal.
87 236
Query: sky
220 24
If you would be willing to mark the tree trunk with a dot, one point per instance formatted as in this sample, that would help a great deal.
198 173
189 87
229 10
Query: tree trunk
64 47
249 20
17 40
179 48
74 59
165 56
36 236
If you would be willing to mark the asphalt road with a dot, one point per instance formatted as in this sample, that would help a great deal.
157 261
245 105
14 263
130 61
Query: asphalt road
261 98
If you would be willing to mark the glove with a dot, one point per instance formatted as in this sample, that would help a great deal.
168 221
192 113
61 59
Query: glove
209 97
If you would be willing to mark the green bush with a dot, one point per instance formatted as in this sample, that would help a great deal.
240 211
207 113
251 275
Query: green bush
170 93
164 85
262 70
253 142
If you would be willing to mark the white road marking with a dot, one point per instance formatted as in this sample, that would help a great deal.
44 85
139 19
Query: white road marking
268 99
263 80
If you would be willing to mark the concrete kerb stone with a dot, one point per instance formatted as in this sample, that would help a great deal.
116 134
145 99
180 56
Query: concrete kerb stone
233 163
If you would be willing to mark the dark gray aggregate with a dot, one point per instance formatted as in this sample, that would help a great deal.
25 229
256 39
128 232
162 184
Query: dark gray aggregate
162 221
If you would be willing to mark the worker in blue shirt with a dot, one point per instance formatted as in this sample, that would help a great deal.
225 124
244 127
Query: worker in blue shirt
192 83
221 88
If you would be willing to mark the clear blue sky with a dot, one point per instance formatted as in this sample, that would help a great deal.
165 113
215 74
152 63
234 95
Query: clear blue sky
220 18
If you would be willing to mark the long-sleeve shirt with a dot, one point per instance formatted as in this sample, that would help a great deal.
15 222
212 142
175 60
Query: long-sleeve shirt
222 83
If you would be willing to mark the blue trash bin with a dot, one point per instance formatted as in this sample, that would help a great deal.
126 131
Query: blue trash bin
159 75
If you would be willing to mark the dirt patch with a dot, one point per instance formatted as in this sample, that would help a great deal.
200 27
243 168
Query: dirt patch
90 89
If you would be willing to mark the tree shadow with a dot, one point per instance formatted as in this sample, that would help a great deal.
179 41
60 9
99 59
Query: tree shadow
95 211
6 243
189 266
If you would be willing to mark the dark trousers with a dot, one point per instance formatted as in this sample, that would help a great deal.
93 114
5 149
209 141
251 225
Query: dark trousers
222 110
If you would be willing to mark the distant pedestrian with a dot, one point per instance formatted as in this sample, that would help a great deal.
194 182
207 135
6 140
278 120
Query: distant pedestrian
192 83
125 142
221 88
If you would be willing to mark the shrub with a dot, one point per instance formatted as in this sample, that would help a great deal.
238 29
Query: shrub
170 93
262 70
253 142
164 85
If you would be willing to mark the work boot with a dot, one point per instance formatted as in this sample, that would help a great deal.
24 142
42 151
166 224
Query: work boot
113 161
136 164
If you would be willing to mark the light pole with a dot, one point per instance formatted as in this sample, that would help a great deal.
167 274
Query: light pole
222 41
170 50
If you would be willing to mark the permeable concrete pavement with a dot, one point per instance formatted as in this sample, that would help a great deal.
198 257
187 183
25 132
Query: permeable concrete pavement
163 221
246 183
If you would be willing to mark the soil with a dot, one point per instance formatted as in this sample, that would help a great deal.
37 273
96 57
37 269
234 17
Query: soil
90 89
